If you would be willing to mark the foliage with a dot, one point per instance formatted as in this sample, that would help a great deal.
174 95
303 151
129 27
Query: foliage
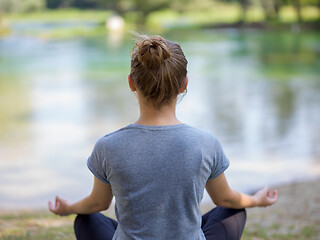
161 14
21 6
271 7
61 15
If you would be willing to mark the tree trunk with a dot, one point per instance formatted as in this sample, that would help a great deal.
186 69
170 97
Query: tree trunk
244 7
297 6
277 5
268 7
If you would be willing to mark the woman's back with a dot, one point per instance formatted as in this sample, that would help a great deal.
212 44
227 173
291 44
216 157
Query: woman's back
157 168
158 175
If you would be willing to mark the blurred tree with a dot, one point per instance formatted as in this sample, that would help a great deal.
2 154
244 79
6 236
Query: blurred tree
272 7
58 3
115 5
277 6
269 9
244 6
0 18
120 7
21 6
180 5
297 6
140 9
82 4
144 7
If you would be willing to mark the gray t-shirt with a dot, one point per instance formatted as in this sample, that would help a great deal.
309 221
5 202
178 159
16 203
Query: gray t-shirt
158 175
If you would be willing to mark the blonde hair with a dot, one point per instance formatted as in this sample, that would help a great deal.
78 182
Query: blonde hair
158 69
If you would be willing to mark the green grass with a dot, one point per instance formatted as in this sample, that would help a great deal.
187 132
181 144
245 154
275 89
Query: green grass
60 15
70 32
224 14
44 225
41 225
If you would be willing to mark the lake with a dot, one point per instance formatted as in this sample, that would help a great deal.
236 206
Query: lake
257 91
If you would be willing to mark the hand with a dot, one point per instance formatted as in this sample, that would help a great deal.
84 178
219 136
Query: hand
61 208
264 197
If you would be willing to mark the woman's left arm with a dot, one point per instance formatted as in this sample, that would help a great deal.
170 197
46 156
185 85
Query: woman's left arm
99 200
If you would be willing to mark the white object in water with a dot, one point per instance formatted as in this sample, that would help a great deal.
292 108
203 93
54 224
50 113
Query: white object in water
115 23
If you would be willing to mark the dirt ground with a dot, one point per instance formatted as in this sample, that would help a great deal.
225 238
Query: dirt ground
296 216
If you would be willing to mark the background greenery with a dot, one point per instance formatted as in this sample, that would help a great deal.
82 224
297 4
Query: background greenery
162 14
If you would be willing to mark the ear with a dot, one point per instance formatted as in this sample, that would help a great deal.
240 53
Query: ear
131 83
184 87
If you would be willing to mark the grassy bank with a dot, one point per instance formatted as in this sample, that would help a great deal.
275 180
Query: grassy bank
295 216
59 15
217 13
61 23
227 14
157 21
35 226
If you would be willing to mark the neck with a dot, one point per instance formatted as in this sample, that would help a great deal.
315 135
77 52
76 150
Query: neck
149 115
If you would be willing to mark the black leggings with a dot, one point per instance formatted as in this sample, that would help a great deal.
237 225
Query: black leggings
220 223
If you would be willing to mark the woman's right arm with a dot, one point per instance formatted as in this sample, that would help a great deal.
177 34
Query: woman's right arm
222 195
99 200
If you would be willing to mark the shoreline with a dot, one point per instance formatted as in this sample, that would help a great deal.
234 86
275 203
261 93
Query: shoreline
267 26
204 205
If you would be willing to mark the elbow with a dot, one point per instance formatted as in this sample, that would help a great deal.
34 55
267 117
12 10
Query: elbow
227 201
98 203
105 206
222 203
98 206
102 206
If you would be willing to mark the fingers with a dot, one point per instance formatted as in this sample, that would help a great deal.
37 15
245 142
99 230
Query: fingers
54 208
268 192
59 207
267 197
50 206
275 195
273 198
57 200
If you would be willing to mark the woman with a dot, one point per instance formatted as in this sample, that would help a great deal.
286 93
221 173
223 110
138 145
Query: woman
158 167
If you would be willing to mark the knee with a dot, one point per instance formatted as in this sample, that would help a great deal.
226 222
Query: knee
239 214
242 219
77 222
243 214
76 226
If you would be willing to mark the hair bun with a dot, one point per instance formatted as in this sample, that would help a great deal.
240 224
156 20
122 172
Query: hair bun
152 52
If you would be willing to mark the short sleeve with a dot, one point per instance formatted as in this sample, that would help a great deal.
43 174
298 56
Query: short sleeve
220 160
96 162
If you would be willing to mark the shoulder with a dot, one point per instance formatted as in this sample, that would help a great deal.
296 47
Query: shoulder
204 134
208 139
111 138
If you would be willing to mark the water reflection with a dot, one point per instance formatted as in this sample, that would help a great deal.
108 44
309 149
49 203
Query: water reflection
257 91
